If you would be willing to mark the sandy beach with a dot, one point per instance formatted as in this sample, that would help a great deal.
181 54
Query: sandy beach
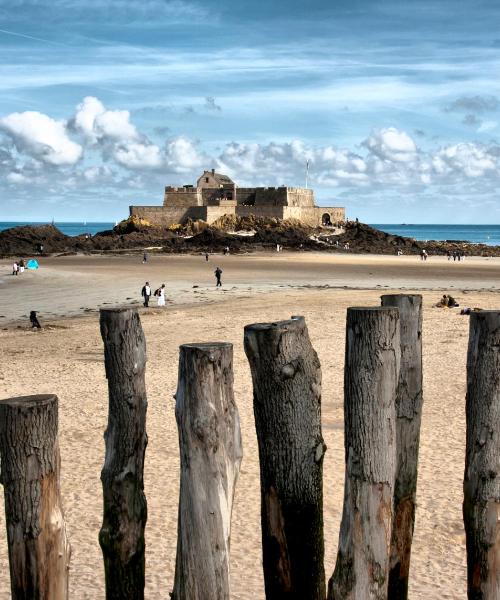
66 358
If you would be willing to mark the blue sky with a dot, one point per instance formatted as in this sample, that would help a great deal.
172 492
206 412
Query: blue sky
396 105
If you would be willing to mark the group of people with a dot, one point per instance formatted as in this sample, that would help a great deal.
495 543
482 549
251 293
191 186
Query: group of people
447 301
456 255
159 293
18 267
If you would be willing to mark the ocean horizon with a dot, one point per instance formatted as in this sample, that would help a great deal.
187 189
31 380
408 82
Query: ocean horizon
478 234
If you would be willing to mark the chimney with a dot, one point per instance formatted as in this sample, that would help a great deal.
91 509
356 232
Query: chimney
213 171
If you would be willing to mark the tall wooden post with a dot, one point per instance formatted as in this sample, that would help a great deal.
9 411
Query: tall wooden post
481 507
286 376
370 382
409 401
210 451
39 551
125 511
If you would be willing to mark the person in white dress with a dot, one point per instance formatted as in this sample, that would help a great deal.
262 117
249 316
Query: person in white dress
161 295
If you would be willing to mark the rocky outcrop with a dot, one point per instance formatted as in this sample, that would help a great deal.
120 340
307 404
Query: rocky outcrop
241 234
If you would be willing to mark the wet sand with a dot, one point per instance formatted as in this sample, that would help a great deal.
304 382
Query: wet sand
75 285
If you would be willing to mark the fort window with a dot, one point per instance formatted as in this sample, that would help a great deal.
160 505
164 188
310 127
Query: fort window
206 180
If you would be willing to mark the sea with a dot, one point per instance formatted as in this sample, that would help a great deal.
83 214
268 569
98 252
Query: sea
479 234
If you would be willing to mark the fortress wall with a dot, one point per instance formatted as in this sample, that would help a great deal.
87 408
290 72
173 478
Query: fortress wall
260 211
211 195
164 216
300 197
214 212
271 196
182 197
245 195
313 215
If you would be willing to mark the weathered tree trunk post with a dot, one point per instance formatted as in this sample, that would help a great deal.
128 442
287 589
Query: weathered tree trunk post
409 401
371 377
39 551
286 376
125 510
210 451
481 507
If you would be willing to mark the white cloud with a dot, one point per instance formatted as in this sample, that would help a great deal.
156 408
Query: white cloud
98 124
38 151
136 155
15 177
41 137
182 155
469 160
391 144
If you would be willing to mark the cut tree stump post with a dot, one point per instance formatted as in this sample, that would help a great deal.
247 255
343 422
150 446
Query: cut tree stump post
39 551
286 376
481 507
409 401
125 510
210 452
371 377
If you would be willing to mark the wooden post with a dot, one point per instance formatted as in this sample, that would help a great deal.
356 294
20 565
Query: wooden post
409 401
210 451
39 551
481 507
286 376
125 510
371 376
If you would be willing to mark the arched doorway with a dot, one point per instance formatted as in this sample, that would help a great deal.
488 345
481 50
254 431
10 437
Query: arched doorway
326 221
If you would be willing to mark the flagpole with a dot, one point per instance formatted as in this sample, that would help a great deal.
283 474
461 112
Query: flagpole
307 172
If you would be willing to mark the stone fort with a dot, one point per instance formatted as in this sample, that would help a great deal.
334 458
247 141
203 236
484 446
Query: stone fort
216 195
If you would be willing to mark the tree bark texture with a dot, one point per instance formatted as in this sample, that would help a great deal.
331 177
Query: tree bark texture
481 507
210 455
39 551
125 510
286 376
370 383
409 401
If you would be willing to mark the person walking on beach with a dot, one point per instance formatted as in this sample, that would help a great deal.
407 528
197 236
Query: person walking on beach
15 268
21 266
218 273
161 295
146 293
145 258
206 256
35 324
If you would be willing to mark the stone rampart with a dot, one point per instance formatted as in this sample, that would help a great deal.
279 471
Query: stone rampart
164 216
300 197
182 196
315 215
270 196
